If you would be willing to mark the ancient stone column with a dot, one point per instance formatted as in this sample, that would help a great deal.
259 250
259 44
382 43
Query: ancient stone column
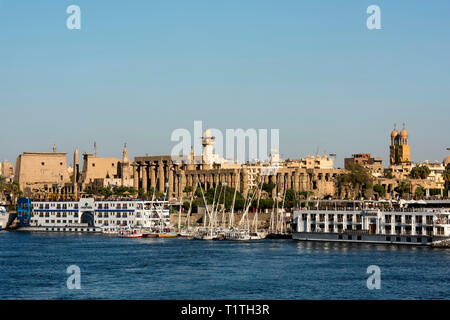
135 176
170 190
237 181
152 169
144 178
245 183
182 182
296 181
160 177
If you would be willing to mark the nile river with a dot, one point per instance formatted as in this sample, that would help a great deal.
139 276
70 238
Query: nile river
34 265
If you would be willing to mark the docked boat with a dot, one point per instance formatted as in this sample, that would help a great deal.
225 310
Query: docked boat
404 222
4 217
110 230
243 235
186 234
279 236
129 233
167 235
93 215
149 235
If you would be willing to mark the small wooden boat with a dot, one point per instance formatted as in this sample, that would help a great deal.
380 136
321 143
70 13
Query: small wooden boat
149 235
110 230
130 233
167 235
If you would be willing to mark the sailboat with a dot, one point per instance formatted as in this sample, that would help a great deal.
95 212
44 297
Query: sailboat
186 232
243 233
206 233
278 231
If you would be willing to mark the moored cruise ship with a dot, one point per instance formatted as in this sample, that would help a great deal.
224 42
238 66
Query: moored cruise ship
92 215
407 222
4 217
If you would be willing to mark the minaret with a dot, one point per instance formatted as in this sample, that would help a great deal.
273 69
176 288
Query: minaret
126 165
125 153
75 172
208 144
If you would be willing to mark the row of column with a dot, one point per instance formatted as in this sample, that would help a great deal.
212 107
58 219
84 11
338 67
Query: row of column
156 175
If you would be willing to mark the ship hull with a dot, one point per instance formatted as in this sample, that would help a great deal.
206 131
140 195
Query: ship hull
418 240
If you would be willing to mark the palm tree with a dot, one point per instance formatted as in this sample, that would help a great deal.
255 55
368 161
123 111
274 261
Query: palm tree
403 188
446 176
2 186
13 188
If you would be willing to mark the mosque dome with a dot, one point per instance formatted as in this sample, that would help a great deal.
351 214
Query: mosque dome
394 133
446 161
404 133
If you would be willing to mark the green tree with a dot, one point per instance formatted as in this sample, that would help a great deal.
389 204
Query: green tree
388 174
404 187
446 177
268 187
13 188
3 184
420 172
420 191
380 190
105 192
357 180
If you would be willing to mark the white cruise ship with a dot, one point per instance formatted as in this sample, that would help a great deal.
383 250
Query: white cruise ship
411 222
91 215
4 217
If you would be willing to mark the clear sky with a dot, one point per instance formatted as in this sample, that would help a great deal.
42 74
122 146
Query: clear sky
137 70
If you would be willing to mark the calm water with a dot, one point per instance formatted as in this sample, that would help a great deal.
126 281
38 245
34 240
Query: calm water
33 266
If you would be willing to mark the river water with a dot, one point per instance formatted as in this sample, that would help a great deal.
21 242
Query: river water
34 266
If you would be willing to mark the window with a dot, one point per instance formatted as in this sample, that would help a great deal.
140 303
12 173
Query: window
93 164
388 238
43 163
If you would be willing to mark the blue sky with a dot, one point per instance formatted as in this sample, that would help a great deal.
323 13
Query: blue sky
137 70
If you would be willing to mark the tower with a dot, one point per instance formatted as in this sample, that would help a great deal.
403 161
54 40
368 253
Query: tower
399 148
208 144
75 172
126 166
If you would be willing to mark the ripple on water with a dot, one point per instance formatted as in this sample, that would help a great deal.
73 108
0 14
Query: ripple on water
33 266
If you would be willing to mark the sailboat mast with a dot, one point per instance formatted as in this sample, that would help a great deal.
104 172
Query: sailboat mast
234 200
189 211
